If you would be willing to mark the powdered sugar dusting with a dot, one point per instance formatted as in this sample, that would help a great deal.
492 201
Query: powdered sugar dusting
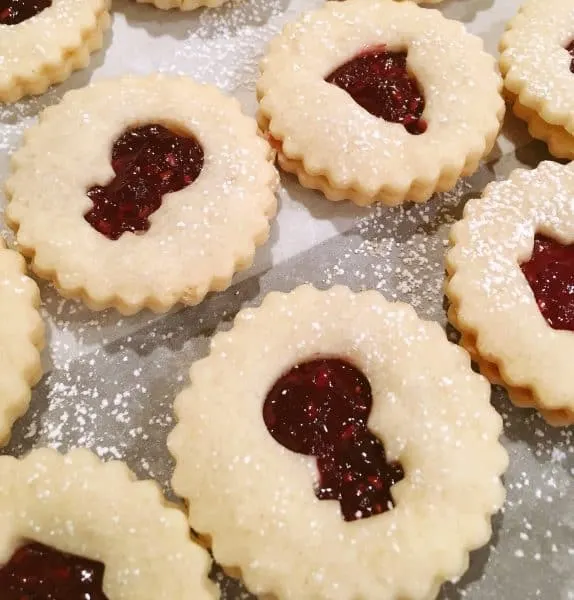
400 252
13 122
488 286
110 381
117 399
229 41
536 62
398 256
381 338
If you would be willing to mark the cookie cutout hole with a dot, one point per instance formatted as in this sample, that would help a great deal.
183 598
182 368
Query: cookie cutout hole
550 274
378 80
149 162
321 408
39 572
570 50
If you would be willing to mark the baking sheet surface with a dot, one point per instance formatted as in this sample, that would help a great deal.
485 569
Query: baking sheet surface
110 381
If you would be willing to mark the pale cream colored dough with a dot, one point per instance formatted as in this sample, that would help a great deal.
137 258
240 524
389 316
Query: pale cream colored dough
536 70
560 143
184 5
334 145
46 49
492 303
21 339
253 499
79 505
521 397
199 237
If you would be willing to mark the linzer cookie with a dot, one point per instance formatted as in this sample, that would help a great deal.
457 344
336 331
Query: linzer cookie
160 190
379 101
362 459
537 62
21 339
511 276
72 527
43 41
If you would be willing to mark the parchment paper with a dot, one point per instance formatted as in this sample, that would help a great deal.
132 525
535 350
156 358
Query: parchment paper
110 381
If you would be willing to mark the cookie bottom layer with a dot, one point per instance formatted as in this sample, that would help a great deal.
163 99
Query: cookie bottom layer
184 5
559 141
521 397
72 60
419 191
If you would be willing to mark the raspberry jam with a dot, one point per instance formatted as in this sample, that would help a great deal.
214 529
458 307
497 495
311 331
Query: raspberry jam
38 572
550 274
320 408
149 162
378 80
570 49
13 12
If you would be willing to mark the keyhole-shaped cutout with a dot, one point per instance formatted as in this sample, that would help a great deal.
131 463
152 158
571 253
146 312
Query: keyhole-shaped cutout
149 162
321 408
550 275
13 12
38 571
378 80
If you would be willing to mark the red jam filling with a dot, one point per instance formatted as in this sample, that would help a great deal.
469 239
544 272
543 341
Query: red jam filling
38 572
550 274
320 408
378 80
149 162
13 12
570 49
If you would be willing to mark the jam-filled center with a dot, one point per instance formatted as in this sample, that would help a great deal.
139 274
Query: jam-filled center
320 408
550 274
13 12
148 162
379 81
38 572
570 49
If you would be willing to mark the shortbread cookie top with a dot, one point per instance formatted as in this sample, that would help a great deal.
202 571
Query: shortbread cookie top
321 125
92 531
38 40
537 60
160 189
21 338
334 445
512 271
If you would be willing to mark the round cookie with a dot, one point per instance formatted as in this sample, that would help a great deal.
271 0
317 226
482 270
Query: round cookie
42 42
537 62
377 101
92 531
511 270
329 444
161 189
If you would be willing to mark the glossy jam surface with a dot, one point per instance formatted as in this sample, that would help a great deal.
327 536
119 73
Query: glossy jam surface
38 572
570 49
378 80
550 274
148 162
320 408
13 12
